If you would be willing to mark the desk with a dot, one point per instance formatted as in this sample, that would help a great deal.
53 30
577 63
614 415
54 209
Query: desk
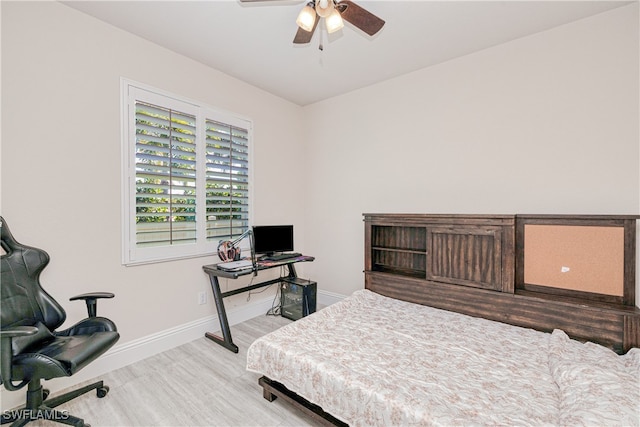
212 270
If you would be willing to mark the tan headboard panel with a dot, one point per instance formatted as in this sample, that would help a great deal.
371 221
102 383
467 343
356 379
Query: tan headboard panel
572 257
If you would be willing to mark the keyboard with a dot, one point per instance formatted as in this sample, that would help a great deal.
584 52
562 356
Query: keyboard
281 256
243 264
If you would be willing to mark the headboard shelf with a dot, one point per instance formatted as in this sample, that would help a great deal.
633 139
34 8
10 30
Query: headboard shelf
399 249
419 274
474 264
474 250
591 302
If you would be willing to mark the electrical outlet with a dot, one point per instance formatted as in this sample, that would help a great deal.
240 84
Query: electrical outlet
202 298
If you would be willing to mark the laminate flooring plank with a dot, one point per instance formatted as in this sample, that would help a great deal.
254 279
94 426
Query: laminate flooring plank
196 384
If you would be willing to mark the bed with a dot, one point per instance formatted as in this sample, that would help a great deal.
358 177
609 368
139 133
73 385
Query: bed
378 358
373 360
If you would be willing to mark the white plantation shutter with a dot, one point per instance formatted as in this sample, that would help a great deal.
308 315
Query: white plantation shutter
227 180
186 183
165 176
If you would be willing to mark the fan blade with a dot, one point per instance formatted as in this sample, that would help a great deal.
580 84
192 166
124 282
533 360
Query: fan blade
303 36
359 17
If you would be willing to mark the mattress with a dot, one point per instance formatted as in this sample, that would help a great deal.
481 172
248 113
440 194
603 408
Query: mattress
371 360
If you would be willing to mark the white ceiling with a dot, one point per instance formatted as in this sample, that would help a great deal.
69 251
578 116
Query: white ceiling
253 41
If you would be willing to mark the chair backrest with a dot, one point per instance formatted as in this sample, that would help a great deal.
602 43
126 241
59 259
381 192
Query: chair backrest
23 301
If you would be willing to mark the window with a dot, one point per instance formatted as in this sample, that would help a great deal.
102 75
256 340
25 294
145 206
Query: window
186 176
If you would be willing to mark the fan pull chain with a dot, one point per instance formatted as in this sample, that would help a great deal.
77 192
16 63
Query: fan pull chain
321 49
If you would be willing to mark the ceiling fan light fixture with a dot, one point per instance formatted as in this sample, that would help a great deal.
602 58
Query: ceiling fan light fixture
324 8
306 18
334 21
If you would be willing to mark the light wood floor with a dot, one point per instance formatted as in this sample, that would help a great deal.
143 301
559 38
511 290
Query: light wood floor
196 384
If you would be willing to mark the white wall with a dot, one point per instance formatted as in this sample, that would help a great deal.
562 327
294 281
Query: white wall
61 73
543 124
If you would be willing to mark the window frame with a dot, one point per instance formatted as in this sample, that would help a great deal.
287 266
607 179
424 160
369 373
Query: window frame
131 92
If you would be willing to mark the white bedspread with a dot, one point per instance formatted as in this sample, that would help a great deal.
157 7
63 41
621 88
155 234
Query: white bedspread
376 361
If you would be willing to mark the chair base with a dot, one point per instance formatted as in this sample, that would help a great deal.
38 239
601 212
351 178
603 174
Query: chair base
40 407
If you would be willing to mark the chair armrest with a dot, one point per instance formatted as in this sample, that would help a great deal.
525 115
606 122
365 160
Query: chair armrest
91 300
6 356
18 331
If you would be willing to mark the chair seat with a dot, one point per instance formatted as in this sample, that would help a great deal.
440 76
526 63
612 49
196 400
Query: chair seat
62 356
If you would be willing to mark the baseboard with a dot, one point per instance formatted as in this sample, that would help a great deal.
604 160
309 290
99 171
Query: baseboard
130 352
325 298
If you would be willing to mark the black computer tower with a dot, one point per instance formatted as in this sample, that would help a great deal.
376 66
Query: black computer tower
297 297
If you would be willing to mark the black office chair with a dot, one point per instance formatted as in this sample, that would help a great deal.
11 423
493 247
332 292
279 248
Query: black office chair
31 350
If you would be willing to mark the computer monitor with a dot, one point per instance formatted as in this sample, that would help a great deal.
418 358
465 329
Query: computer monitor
270 239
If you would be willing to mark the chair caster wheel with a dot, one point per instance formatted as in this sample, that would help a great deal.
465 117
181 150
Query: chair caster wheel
45 393
102 391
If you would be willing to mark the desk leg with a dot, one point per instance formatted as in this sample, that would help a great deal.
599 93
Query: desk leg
227 341
292 270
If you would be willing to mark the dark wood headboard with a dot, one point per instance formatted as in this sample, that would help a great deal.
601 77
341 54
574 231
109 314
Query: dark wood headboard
473 264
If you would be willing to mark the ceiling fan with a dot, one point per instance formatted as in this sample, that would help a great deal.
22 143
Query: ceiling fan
333 12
